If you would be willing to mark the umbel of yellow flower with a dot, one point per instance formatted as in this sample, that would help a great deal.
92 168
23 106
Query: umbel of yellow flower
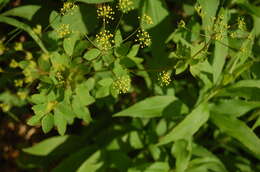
164 78
63 30
125 5
68 8
143 38
241 23
105 12
122 84
104 40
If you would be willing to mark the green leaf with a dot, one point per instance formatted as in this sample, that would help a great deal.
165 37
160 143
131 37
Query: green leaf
81 112
238 130
26 11
134 140
221 51
60 122
82 94
182 152
189 126
233 107
157 10
148 108
93 163
65 110
69 43
151 167
25 27
94 1
47 123
92 54
46 146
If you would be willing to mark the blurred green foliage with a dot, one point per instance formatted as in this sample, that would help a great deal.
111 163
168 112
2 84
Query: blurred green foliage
158 85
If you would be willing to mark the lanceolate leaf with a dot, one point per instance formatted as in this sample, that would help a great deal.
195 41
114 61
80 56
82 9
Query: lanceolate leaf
24 27
148 108
47 146
238 130
189 126
26 11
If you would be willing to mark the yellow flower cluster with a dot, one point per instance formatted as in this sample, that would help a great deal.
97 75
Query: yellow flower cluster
68 8
182 24
241 23
105 12
64 30
146 19
5 107
125 5
104 40
143 38
29 71
122 84
14 64
219 27
2 48
199 10
18 83
22 94
18 46
164 78
38 29
60 78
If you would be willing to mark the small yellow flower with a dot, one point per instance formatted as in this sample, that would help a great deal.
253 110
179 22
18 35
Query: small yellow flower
28 55
198 9
241 23
51 105
145 19
2 48
1 70
18 46
5 107
22 94
64 30
104 40
164 78
105 12
233 35
125 5
18 83
143 38
68 8
122 84
14 64
182 24
38 29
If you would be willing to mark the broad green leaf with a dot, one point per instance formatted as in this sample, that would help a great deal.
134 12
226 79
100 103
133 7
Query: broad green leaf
233 107
25 27
46 146
47 123
246 83
93 163
92 54
238 130
60 122
157 10
148 108
189 126
151 167
82 94
221 51
134 140
81 112
65 110
26 11
69 43
182 152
